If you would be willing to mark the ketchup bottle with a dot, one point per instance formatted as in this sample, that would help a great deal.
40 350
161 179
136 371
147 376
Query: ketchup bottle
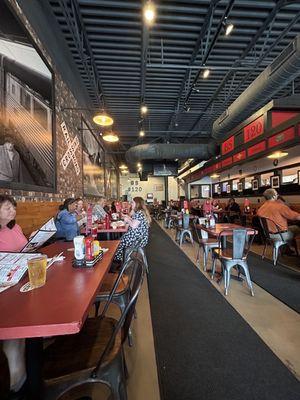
89 251
107 222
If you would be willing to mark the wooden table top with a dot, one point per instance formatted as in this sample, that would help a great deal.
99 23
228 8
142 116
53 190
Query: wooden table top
62 305
221 227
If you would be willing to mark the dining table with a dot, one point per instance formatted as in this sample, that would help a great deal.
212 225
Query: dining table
60 307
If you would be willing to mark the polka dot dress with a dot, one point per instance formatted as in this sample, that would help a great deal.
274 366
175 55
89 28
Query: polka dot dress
139 234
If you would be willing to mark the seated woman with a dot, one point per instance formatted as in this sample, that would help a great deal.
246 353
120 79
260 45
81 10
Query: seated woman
234 211
138 230
79 210
66 220
13 239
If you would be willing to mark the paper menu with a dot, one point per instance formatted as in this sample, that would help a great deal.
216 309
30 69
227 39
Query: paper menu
12 267
40 237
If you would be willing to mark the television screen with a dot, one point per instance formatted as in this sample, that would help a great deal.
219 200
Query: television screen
166 169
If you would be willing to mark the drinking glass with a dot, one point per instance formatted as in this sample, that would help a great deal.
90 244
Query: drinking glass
37 267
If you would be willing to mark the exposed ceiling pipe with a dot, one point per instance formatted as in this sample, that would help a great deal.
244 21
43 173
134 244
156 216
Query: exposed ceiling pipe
283 70
171 151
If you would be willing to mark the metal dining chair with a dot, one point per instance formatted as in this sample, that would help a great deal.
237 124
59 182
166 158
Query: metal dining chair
95 355
275 242
183 230
236 256
205 242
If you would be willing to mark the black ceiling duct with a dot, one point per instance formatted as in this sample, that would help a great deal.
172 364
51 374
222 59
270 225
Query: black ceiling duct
283 70
170 151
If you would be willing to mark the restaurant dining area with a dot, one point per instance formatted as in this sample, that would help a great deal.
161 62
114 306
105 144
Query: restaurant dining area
149 200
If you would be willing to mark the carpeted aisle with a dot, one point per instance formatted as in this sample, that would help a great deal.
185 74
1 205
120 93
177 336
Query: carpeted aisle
204 349
281 282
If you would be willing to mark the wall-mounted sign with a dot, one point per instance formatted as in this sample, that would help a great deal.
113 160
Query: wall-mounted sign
134 186
257 148
228 145
158 187
239 156
226 162
72 146
281 137
254 129
278 117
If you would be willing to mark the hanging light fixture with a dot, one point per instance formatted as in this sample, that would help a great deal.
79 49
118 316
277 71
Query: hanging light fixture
142 133
123 167
214 176
103 119
278 154
110 137
149 13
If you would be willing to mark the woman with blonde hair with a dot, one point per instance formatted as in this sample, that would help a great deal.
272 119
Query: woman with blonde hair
138 230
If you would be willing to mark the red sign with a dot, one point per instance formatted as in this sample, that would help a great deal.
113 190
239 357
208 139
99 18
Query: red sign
257 148
89 219
281 137
253 130
278 117
226 162
228 145
239 156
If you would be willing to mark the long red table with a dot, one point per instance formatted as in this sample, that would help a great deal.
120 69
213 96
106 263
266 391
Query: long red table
62 305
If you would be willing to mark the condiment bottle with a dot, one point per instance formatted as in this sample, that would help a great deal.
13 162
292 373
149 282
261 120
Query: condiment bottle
89 252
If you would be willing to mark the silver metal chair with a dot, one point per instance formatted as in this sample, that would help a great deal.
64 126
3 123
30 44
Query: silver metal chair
205 242
184 230
94 355
236 256
275 242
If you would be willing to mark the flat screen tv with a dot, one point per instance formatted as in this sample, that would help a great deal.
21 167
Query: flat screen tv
165 169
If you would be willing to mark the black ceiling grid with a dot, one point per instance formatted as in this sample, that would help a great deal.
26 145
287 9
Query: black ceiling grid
164 68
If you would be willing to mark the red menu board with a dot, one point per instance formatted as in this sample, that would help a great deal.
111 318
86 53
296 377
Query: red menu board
254 129
281 137
278 117
257 148
228 145
226 162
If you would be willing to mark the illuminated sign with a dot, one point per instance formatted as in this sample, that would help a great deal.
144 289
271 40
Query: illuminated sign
281 137
257 148
239 156
253 130
228 145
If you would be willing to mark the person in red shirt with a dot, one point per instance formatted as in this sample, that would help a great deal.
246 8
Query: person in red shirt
278 214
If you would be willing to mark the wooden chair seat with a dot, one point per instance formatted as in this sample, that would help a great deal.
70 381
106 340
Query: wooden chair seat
209 241
227 254
71 353
109 282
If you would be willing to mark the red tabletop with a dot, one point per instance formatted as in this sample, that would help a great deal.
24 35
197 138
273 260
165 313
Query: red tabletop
221 227
62 305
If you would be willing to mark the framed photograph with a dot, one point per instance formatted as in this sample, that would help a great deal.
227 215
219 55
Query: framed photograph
255 184
298 174
27 134
240 187
275 182
219 189
228 189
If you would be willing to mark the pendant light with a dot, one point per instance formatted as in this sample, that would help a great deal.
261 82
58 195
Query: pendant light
103 119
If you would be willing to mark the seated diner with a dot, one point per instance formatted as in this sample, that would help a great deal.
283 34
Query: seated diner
67 220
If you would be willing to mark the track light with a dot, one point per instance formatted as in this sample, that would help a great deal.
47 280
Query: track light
228 29
139 165
144 109
206 73
149 13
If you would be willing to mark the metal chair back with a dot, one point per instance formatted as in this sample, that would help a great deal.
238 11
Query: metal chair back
186 221
242 240
200 233
265 224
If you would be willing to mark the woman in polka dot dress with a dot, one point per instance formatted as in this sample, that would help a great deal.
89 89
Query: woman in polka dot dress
138 230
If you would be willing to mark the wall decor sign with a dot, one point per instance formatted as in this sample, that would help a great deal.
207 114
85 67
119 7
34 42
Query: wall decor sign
228 189
240 187
93 163
27 159
275 182
72 146
228 145
158 187
254 129
255 184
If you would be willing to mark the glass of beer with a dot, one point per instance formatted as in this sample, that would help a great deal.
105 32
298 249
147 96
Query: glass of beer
37 271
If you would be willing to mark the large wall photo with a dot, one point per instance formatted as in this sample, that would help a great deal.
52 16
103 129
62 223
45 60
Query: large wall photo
93 163
26 110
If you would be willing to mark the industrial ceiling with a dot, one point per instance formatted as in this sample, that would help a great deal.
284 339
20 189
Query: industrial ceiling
125 64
